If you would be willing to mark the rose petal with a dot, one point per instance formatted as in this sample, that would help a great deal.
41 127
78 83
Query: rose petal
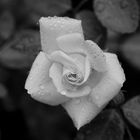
109 83
62 58
83 64
49 95
87 69
96 56
81 110
65 60
71 43
73 62
81 91
39 84
53 27
56 72
79 60
39 73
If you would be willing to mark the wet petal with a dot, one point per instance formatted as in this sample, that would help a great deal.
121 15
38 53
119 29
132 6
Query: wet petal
78 92
75 88
81 110
65 60
87 69
39 84
109 83
39 73
62 58
56 74
95 55
53 27
83 64
49 95
71 43
79 60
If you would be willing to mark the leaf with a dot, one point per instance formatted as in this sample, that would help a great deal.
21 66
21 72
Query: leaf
131 111
45 122
118 15
108 125
39 8
22 50
128 133
92 28
7 25
131 47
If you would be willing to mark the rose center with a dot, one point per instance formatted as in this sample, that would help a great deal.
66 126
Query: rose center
74 78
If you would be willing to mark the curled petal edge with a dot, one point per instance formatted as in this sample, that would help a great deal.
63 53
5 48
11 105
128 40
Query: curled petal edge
110 83
39 85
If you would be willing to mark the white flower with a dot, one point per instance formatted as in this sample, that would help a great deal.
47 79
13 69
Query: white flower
72 71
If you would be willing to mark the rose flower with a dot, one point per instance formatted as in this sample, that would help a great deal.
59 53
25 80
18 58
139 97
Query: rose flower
72 71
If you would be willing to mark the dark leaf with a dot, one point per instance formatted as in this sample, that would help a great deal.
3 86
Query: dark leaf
112 43
108 125
131 111
7 25
92 28
39 8
128 134
44 122
131 47
22 50
118 15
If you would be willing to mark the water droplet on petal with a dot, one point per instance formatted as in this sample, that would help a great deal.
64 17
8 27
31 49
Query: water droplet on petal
40 93
42 87
63 92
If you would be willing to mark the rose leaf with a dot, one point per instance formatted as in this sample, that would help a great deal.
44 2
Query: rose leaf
130 47
7 25
131 111
21 51
92 28
118 15
39 8
108 125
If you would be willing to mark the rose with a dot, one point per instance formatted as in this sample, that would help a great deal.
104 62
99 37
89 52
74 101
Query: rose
72 71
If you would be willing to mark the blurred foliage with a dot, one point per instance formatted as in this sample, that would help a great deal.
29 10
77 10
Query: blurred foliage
131 111
118 15
21 50
113 24
89 20
107 126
